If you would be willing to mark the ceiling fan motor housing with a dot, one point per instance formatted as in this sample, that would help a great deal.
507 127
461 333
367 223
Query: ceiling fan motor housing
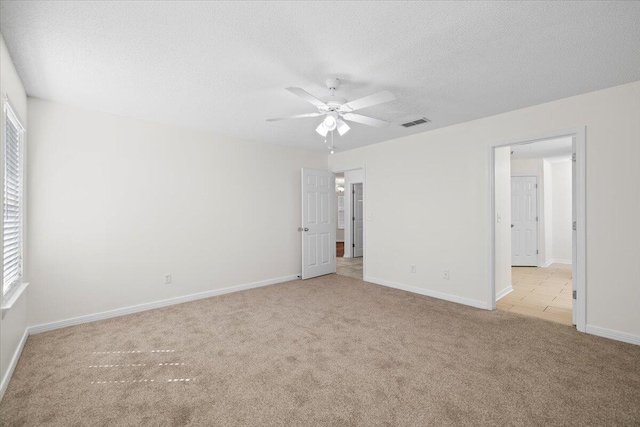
332 83
332 102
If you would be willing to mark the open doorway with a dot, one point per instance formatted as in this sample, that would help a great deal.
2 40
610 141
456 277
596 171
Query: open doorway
340 214
541 225
350 223
538 247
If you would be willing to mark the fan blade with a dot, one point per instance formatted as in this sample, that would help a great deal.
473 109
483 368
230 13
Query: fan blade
368 101
306 96
365 120
299 116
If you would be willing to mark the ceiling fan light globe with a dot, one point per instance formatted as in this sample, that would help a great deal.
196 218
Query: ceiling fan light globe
342 127
330 122
322 130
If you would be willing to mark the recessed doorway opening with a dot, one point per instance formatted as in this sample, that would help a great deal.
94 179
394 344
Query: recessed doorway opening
538 227
340 214
349 211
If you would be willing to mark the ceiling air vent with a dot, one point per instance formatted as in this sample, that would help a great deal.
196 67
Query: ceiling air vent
416 122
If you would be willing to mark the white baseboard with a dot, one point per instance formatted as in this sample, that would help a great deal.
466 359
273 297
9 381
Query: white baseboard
127 310
614 335
557 261
426 292
503 293
12 365
157 304
594 330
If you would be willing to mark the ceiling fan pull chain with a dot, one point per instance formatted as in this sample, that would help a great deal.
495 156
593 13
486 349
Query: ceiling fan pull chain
331 142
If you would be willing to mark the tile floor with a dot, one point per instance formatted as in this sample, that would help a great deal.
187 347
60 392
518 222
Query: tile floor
540 292
351 267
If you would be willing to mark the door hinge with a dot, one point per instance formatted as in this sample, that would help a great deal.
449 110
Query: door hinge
575 225
353 192
353 218
536 218
573 157
536 252
536 185
575 295
353 245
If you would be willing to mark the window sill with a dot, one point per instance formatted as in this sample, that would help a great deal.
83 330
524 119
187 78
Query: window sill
15 295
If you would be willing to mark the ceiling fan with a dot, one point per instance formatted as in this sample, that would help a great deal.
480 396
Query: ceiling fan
335 109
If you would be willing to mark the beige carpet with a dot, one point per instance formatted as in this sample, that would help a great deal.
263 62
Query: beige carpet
328 351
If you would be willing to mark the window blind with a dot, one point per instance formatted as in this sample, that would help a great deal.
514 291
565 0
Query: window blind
12 203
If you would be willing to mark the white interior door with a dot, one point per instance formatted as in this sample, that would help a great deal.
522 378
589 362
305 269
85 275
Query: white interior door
358 221
524 221
318 224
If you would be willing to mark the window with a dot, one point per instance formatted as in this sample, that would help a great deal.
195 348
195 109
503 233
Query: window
12 232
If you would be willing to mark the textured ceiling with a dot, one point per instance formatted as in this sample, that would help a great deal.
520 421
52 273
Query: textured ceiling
223 66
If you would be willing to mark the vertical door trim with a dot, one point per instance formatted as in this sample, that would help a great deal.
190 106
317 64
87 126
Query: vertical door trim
353 219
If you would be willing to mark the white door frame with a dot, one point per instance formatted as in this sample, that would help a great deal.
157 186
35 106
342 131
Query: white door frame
579 256
362 167
353 222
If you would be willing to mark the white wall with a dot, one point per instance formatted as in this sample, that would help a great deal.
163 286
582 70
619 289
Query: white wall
503 221
14 325
117 203
535 167
562 211
434 213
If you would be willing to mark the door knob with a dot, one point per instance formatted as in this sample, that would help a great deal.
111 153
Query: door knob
306 229
511 225
303 229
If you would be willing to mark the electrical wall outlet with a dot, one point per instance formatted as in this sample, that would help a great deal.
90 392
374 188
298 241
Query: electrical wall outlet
167 279
445 274
412 268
